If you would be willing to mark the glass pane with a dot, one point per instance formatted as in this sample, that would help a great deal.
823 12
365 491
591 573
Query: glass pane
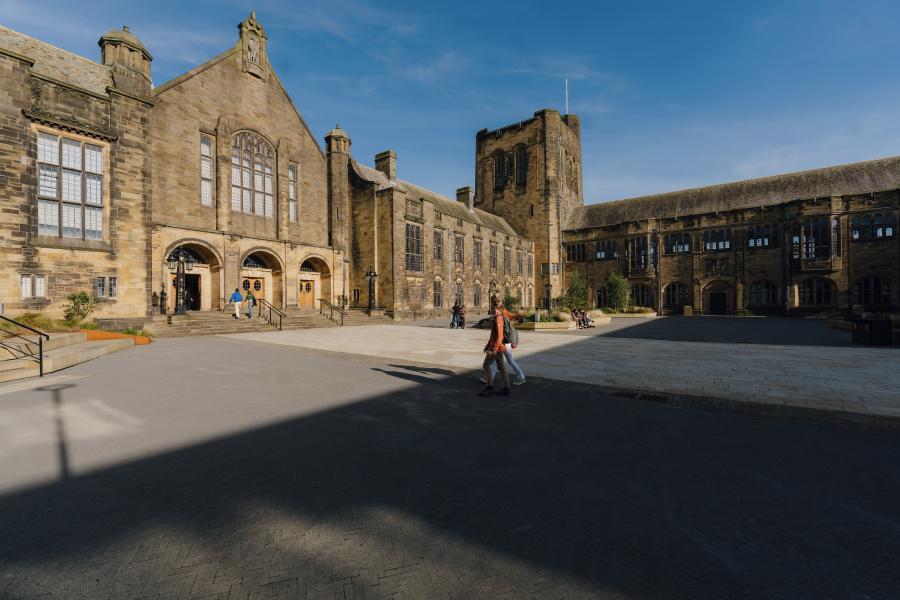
40 286
71 154
205 146
113 287
247 201
292 190
25 286
258 204
292 210
292 173
101 287
71 185
71 221
235 176
268 184
270 206
258 182
206 192
235 156
93 158
47 185
48 149
93 224
205 168
93 189
245 178
48 217
235 198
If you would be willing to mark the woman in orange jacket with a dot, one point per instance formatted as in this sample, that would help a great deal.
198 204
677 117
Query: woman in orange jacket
494 352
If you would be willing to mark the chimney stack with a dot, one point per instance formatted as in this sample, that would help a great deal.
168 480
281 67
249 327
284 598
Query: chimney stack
386 162
464 195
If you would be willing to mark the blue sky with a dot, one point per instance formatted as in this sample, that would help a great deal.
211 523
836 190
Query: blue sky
670 94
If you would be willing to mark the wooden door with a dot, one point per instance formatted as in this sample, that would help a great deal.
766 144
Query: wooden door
306 294
257 285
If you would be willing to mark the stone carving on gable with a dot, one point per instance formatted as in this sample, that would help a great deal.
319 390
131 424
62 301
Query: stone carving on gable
253 46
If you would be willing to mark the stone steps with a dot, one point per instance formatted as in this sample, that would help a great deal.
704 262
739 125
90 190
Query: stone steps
61 351
214 323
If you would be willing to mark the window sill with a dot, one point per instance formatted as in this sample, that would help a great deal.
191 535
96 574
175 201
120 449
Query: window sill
104 300
45 241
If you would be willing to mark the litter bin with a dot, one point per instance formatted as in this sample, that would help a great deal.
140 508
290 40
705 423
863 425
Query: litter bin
871 331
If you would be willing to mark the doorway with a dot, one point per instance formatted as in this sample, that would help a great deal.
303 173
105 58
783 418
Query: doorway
191 292
257 285
718 303
306 297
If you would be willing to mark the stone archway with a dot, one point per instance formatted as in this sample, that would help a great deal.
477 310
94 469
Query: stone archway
314 282
203 275
718 298
262 273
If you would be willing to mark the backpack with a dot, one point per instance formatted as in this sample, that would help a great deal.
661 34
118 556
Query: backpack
510 335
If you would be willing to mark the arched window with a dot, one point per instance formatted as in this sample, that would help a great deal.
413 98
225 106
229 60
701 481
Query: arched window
871 290
252 262
476 296
186 253
816 291
252 172
763 293
499 169
521 165
641 296
676 295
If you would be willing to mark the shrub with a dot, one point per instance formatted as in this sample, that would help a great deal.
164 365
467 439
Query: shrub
80 305
576 295
511 303
617 293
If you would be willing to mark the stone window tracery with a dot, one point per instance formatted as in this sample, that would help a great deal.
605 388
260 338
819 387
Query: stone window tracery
252 175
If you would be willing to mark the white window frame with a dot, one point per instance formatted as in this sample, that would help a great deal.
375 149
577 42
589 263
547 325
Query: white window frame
32 285
292 193
207 170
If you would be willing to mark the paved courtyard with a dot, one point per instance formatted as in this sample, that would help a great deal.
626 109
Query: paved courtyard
217 468
854 379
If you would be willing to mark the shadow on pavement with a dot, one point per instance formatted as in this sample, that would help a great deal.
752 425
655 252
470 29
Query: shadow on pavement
616 494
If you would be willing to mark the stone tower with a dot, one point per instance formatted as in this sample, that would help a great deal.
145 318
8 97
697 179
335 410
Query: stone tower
529 173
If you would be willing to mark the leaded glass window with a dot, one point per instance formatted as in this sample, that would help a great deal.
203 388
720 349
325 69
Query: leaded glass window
292 193
206 170
70 187
252 175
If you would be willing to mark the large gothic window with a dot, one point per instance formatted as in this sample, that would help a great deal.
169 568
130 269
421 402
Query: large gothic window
252 187
70 187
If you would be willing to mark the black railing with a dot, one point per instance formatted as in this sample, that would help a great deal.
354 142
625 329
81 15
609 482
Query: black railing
332 309
272 315
25 352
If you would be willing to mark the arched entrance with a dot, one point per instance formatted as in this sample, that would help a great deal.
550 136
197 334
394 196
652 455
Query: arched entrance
718 299
314 282
202 277
261 275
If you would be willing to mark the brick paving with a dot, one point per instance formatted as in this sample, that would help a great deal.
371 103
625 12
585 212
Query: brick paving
245 470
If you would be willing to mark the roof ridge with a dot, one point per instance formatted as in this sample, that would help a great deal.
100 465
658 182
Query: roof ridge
54 46
763 178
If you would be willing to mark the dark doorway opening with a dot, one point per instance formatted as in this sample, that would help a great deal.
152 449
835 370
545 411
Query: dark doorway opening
718 303
192 292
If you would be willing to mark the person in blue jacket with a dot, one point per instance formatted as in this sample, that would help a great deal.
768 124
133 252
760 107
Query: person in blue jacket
236 298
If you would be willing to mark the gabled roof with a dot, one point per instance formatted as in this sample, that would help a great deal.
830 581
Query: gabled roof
841 180
445 205
58 64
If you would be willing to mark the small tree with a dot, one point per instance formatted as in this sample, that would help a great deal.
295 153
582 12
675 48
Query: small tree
511 303
576 295
79 307
617 294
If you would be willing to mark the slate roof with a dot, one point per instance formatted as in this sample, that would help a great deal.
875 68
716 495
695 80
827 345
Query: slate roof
448 206
57 63
855 178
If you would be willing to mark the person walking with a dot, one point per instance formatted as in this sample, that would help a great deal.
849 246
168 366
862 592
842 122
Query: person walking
236 298
493 353
454 316
251 302
462 316
510 341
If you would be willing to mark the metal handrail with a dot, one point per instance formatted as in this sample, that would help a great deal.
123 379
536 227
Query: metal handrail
323 303
271 312
40 337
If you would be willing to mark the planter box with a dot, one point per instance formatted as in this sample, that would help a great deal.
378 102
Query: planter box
545 325
96 335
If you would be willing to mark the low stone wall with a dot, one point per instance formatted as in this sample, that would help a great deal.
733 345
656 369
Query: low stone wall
122 323
545 325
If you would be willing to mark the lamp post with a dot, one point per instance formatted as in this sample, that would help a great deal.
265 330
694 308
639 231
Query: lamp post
549 289
371 276
179 263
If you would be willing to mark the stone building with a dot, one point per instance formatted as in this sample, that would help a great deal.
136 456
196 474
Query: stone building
818 241
104 179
